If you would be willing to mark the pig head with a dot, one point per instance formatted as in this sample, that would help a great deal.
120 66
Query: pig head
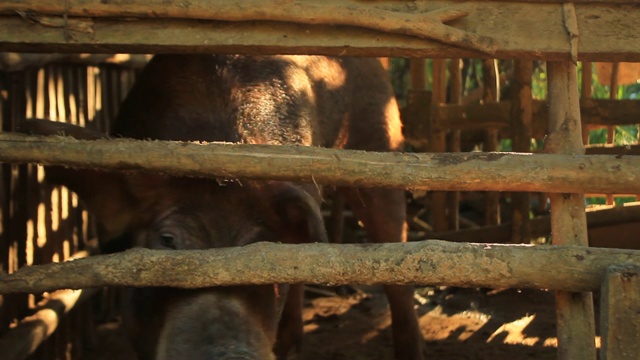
294 100
163 212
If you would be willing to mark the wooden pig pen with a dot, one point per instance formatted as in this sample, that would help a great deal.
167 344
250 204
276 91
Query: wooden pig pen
50 225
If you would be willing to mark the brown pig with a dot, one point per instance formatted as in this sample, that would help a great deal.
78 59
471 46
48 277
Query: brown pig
300 100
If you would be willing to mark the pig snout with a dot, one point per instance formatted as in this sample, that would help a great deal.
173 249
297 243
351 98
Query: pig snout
209 325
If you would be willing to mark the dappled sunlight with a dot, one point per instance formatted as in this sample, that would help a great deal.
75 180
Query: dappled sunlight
513 332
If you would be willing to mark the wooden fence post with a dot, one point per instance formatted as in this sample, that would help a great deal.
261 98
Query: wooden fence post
620 313
576 327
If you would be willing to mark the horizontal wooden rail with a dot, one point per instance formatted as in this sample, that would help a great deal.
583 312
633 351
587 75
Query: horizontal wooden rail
430 29
431 262
593 112
541 226
446 171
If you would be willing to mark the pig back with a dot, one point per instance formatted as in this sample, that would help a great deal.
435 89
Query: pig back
303 100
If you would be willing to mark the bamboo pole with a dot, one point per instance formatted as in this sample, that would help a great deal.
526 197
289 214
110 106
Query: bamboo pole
450 171
466 265
575 314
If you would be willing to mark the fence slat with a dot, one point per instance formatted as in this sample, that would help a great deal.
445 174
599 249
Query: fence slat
432 262
620 313
447 171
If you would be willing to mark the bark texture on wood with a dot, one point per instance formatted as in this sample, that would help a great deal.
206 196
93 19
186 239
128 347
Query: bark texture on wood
447 171
575 314
425 262
527 30
427 25
620 313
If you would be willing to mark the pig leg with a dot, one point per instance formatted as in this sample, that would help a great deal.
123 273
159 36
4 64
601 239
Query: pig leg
289 335
382 211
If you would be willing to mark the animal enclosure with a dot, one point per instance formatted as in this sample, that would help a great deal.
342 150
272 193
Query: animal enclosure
43 224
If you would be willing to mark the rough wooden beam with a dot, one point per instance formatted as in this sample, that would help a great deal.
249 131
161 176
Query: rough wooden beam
620 313
446 171
425 262
574 310
525 30
427 25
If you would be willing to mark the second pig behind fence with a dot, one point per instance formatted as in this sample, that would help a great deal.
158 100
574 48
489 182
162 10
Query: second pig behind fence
284 100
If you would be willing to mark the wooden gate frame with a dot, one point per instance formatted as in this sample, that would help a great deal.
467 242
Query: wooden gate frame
559 32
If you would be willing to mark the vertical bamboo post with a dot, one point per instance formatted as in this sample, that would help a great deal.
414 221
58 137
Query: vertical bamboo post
611 130
576 328
521 118
455 88
491 81
586 93
438 143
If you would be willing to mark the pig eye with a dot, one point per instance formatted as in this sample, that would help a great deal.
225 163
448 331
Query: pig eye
168 240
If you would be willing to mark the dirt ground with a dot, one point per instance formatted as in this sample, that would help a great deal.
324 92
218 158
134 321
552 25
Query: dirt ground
457 324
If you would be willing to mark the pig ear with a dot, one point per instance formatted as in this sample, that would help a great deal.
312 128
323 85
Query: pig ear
106 194
300 215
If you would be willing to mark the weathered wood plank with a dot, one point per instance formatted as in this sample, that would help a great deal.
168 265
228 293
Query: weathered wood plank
445 171
467 265
620 313
520 29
